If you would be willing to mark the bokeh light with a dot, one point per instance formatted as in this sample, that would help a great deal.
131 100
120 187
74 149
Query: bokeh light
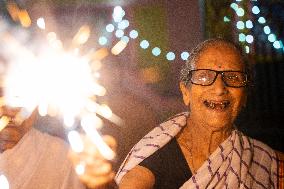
119 33
240 25
184 55
240 12
144 44
133 34
123 24
249 38
255 10
277 44
118 14
125 39
271 37
249 24
266 30
234 6
110 28
170 56
261 20
247 49
242 37
102 40
156 51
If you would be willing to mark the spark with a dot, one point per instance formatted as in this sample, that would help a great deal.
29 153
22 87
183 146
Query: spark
59 82
82 35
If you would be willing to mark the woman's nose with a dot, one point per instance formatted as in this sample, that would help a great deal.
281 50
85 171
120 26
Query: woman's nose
219 86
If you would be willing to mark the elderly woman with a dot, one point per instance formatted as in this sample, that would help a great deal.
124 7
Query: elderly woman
203 148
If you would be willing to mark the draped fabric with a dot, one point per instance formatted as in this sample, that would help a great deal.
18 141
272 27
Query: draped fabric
39 161
239 162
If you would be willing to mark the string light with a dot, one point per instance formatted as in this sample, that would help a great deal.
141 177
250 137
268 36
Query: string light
261 20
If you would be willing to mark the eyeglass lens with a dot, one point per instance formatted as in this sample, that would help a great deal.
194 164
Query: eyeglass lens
207 77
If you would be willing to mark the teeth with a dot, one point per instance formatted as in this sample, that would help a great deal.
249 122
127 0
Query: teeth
213 105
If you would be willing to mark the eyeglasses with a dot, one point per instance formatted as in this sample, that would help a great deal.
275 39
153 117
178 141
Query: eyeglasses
206 77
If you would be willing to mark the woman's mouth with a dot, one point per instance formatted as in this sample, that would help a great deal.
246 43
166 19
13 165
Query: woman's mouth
217 105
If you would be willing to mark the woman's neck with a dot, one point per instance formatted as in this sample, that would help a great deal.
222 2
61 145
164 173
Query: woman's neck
205 136
201 141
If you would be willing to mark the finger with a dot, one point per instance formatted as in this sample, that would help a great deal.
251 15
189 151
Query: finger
93 182
99 169
11 133
9 111
110 141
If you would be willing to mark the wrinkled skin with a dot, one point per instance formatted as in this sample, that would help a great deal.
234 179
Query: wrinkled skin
196 97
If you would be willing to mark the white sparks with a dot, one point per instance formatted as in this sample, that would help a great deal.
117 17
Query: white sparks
75 141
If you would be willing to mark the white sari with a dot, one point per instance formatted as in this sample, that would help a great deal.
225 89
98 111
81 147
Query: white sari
239 162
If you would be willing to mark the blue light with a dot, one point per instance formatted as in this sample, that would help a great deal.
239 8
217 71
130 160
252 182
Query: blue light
242 37
133 34
170 56
247 49
249 24
226 19
249 38
110 28
271 37
123 24
144 44
277 44
102 40
240 25
261 20
184 55
234 6
156 51
240 12
119 33
125 39
266 30
255 10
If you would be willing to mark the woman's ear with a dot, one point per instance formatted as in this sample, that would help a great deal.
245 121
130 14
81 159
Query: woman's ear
185 93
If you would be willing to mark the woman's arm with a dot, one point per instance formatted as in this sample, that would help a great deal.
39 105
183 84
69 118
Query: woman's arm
139 178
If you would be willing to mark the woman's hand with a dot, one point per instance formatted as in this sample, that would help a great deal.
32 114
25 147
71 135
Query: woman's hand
93 169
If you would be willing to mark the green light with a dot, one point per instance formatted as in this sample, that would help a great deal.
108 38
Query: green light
226 19
271 37
242 37
266 30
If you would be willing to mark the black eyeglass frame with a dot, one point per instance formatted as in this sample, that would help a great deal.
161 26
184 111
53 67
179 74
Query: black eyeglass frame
222 76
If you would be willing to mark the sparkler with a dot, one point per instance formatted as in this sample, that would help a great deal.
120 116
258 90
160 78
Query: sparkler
58 82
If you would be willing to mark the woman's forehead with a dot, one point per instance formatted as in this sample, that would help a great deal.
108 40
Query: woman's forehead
220 57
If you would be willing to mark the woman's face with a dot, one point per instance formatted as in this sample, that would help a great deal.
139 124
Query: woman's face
215 106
